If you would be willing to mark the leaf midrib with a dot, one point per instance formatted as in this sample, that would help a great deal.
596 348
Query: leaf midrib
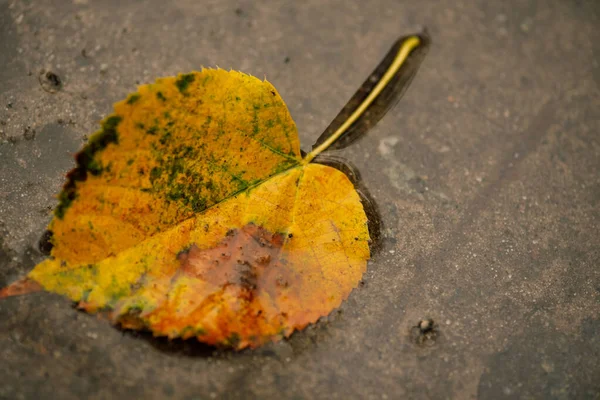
298 164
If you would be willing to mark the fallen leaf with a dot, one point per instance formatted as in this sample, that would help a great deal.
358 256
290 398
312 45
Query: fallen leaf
192 212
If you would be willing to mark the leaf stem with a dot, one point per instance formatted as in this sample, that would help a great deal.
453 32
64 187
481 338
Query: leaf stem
409 45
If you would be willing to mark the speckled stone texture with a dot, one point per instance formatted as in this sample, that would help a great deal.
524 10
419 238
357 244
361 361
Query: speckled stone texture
486 176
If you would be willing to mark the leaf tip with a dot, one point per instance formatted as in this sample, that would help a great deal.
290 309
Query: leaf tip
20 287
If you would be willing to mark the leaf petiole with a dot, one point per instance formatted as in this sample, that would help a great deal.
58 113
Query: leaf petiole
407 47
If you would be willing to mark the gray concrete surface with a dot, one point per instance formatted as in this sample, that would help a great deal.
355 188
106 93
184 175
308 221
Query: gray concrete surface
486 176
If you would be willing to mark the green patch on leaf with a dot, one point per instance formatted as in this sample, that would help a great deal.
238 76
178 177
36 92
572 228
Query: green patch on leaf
183 81
86 162
133 98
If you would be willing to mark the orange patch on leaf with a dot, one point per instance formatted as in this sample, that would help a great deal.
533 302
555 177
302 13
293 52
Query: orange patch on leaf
245 270
21 287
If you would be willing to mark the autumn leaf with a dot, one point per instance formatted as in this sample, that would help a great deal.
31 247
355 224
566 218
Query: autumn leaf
192 212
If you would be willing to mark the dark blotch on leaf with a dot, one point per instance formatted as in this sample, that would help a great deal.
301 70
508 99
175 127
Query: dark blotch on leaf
234 339
133 98
86 162
184 81
183 252
165 138
198 204
94 167
155 173
45 244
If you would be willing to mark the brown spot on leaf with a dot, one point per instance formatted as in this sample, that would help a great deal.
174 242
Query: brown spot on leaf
238 283
256 251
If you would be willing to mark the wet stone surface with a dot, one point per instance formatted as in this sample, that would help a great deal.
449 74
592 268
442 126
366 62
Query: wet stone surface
485 176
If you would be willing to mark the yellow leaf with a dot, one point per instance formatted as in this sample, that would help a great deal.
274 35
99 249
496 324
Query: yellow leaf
168 152
191 213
